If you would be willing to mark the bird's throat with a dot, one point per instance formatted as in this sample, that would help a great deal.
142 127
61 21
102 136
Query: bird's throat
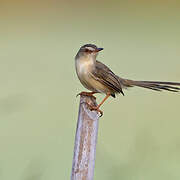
85 65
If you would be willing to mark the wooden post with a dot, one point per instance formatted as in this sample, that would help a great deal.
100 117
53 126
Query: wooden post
85 141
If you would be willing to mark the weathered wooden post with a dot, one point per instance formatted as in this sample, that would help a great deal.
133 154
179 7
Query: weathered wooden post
85 141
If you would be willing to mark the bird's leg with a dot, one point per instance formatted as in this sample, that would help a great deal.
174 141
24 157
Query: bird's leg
96 108
87 94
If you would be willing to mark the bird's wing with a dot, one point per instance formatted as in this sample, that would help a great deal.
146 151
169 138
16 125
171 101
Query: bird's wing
105 76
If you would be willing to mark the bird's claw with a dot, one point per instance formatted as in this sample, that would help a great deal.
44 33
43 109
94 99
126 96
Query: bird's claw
78 94
85 94
94 108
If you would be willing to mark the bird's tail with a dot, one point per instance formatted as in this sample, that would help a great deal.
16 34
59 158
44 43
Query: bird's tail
153 85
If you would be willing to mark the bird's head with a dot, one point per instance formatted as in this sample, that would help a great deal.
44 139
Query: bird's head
88 50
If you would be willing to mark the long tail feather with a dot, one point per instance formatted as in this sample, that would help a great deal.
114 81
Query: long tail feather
153 85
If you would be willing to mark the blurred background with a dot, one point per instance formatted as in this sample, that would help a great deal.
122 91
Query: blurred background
139 137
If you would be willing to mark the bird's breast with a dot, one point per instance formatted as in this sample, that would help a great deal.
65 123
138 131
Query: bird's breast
84 71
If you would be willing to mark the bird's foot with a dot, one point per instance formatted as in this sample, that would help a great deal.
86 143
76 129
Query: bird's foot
86 94
96 108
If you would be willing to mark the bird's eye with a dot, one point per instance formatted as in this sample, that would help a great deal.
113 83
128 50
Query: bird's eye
88 50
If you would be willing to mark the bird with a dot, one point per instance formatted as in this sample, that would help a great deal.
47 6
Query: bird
98 78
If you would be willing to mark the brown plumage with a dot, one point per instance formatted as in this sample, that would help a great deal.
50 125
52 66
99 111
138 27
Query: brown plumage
104 75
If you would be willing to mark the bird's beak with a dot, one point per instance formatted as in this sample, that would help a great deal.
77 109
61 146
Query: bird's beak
99 49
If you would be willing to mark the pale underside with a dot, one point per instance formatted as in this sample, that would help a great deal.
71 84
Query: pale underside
84 72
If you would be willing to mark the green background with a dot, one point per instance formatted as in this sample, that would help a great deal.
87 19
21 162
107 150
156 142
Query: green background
139 136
